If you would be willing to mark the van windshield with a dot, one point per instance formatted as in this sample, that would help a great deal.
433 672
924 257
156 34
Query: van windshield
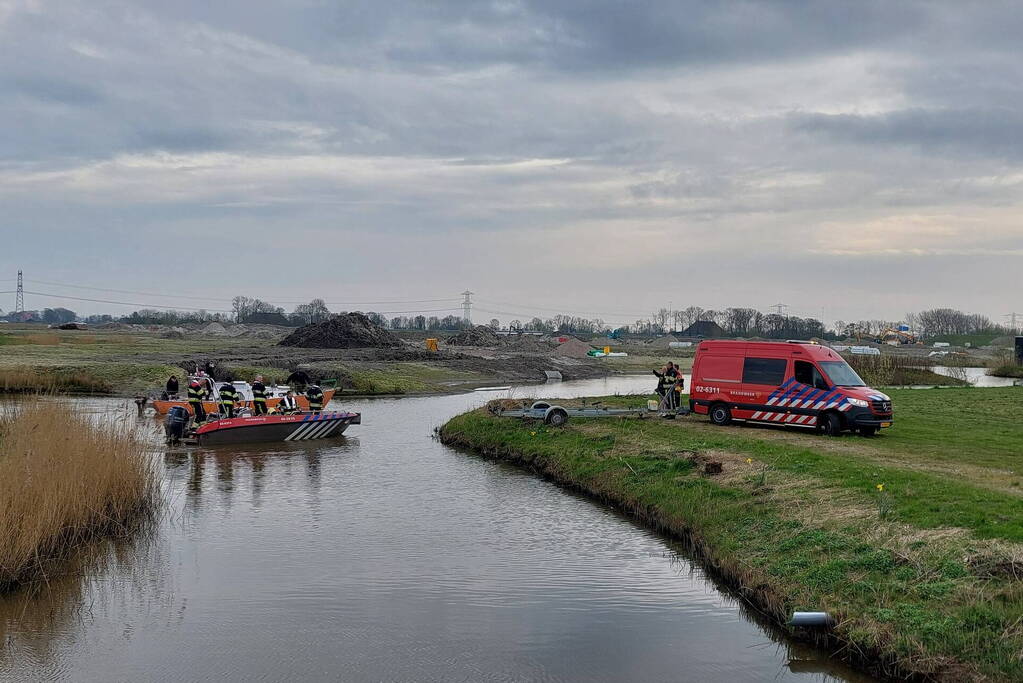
841 374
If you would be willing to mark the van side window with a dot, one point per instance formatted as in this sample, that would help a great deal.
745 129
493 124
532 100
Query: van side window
769 371
807 373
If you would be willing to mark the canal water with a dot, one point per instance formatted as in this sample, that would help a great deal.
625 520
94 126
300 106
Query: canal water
977 377
387 556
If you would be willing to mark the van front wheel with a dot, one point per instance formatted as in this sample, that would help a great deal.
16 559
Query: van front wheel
720 414
830 424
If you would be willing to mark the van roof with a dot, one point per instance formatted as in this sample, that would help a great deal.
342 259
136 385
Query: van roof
788 348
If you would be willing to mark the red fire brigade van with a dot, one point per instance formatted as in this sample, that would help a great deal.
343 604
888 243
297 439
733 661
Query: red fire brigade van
792 383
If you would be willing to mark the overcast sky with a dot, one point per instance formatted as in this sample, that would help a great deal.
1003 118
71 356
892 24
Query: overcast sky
863 158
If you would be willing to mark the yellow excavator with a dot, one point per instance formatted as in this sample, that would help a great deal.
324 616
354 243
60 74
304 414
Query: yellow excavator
900 336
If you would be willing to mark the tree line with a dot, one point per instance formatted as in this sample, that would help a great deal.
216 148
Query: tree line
734 322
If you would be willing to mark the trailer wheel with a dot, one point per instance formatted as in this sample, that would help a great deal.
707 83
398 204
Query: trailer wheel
720 414
556 418
830 424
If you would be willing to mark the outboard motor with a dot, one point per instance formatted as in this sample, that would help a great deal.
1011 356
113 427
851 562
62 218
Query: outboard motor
174 425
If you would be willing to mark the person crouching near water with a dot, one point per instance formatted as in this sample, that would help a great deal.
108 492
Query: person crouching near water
172 388
258 396
175 424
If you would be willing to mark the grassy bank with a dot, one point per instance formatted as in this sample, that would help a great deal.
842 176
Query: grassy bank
65 479
902 371
1007 370
913 539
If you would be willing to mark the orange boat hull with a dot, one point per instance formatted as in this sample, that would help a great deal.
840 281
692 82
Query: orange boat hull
162 407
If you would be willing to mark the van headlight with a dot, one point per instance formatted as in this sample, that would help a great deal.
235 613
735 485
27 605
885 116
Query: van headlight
858 402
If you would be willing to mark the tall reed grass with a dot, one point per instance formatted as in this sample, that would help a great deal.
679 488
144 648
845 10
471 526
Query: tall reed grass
888 370
29 380
64 479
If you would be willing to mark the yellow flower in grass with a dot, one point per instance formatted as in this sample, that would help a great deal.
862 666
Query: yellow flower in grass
749 461
880 487
532 433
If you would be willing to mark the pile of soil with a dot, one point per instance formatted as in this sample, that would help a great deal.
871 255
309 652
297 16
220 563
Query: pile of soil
475 336
215 328
527 343
573 348
348 331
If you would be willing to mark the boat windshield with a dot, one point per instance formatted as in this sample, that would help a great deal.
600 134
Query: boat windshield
840 374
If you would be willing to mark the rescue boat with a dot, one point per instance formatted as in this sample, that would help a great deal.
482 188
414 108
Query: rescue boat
270 428
244 389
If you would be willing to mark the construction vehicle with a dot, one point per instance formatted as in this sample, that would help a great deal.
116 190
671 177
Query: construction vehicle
896 337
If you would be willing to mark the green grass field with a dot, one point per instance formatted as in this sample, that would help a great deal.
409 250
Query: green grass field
913 538
125 363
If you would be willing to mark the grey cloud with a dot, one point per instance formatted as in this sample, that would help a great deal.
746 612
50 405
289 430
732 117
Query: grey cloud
969 131
743 130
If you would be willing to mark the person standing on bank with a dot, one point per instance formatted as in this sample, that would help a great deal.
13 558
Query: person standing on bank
315 396
172 387
258 396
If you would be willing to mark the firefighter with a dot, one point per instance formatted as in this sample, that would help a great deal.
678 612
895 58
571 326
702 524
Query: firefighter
288 404
228 396
665 378
195 396
315 396
258 396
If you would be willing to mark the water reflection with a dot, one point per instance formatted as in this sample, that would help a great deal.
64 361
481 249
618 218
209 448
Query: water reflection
385 555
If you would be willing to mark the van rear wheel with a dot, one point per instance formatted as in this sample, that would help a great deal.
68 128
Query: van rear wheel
720 414
830 424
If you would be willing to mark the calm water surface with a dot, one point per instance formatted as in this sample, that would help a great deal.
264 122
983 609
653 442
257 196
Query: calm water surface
387 556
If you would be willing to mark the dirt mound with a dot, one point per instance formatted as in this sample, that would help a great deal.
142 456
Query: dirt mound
529 343
475 336
573 348
215 328
348 331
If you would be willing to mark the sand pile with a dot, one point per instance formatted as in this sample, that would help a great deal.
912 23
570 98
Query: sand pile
348 331
475 336
215 328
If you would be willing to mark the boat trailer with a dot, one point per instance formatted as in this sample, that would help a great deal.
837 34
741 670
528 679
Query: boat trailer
556 416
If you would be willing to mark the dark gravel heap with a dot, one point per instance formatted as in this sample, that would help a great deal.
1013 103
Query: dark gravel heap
475 336
348 331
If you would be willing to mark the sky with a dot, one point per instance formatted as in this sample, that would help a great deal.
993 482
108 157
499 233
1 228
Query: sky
852 159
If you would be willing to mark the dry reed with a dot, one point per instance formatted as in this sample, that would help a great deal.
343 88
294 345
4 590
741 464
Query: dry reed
28 380
64 479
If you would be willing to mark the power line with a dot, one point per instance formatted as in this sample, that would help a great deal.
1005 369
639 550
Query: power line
533 309
214 310
124 303
220 300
